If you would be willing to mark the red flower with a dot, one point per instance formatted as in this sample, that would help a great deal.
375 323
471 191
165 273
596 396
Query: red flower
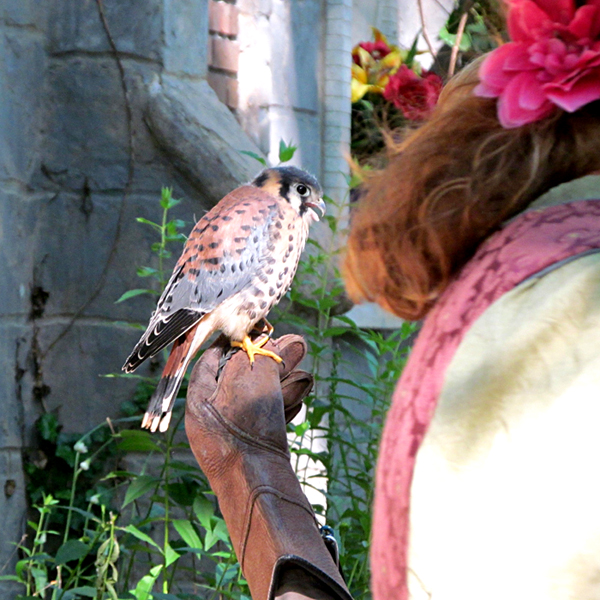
377 50
415 96
552 60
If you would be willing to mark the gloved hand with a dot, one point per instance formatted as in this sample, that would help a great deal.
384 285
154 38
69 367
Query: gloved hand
235 422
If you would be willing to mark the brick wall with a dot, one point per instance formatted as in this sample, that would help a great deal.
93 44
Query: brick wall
223 51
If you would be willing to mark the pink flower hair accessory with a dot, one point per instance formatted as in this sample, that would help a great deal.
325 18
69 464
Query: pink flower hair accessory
552 61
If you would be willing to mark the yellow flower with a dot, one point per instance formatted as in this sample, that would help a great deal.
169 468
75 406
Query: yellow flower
372 65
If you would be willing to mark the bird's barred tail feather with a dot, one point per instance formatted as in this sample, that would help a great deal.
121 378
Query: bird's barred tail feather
159 411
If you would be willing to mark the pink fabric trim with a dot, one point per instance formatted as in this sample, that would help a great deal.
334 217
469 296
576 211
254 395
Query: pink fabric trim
533 241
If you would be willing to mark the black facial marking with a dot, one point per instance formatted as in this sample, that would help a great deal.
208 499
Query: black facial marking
213 245
284 188
261 179
215 227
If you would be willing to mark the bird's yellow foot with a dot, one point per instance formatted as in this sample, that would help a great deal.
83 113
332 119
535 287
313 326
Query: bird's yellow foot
263 327
251 349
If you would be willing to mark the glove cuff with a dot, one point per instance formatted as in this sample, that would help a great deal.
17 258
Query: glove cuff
310 572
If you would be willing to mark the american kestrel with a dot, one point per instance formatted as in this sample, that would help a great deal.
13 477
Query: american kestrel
238 262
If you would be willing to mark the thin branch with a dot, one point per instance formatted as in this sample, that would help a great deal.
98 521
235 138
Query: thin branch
126 189
424 29
459 34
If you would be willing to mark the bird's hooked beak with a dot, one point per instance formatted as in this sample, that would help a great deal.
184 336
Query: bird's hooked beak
320 206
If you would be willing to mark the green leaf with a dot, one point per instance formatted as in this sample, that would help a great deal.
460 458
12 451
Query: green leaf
182 493
85 590
154 226
134 440
255 156
145 584
138 487
146 271
335 331
71 550
450 39
137 326
301 429
170 555
166 199
140 535
412 52
286 151
187 532
49 427
133 293
20 568
204 510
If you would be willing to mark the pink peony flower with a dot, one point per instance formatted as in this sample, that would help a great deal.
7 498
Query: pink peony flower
552 60
415 96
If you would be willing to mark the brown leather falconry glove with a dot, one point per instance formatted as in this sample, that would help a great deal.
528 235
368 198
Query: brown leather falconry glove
236 428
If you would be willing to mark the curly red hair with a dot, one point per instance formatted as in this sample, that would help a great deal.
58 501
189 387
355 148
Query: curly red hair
450 184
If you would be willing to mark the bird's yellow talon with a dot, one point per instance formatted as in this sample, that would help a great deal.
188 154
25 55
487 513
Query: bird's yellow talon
251 349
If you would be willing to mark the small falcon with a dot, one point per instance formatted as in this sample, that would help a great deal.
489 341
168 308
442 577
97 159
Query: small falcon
238 262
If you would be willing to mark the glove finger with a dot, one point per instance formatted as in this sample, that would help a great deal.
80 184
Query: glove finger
294 388
292 348
203 381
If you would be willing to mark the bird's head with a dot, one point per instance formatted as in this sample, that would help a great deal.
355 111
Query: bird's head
298 187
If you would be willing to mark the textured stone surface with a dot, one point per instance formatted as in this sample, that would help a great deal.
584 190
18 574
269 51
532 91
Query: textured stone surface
136 27
12 517
93 348
295 63
22 67
200 135
185 37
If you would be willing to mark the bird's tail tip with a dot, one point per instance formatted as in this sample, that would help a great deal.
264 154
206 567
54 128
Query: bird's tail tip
154 422
159 412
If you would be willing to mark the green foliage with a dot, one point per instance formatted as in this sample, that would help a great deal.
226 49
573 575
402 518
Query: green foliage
483 28
110 531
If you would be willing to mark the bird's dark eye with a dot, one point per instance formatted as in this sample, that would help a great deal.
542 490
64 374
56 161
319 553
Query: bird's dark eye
302 190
